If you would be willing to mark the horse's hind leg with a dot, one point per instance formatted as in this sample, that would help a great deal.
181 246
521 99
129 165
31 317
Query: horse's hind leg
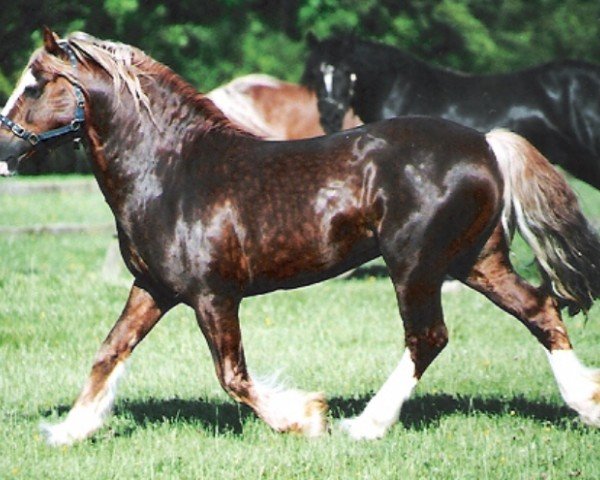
284 410
94 403
493 276
419 300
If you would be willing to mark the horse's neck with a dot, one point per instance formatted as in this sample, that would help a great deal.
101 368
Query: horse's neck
129 143
390 79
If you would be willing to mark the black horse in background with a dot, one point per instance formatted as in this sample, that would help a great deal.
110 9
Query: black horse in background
556 106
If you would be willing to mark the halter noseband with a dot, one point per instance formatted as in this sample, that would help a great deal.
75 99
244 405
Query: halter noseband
73 127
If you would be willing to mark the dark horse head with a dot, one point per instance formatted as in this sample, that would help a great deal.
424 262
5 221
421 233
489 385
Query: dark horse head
342 70
330 74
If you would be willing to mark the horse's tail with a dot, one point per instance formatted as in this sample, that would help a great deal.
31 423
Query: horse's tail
548 216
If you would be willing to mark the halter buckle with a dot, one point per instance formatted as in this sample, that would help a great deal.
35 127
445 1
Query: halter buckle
18 130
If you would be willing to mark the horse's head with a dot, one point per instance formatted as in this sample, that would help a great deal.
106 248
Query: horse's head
46 107
329 73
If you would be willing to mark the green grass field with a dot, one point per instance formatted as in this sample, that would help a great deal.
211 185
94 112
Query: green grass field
488 407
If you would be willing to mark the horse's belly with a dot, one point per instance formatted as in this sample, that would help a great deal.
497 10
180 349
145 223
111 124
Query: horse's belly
290 267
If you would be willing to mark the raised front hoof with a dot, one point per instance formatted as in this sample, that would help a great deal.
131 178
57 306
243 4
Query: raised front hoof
363 428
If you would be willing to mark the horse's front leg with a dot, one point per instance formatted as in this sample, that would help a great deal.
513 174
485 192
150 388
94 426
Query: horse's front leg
283 410
142 311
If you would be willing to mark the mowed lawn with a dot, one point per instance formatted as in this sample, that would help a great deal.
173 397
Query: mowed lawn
487 408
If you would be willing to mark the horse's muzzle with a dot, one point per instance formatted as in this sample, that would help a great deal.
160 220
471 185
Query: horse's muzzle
11 151
332 116
6 169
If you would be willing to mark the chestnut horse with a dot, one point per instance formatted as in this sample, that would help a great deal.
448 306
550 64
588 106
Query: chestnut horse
208 214
273 109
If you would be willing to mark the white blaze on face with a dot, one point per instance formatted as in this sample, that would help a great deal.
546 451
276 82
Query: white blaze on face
27 79
327 71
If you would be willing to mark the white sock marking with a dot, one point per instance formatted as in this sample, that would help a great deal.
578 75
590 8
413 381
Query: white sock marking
84 419
578 384
384 408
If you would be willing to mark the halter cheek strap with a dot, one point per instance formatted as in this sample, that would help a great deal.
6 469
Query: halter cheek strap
73 127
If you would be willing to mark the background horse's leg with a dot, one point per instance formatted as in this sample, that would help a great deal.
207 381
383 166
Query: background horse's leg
284 410
493 276
142 311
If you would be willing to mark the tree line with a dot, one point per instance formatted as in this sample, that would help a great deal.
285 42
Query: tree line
211 41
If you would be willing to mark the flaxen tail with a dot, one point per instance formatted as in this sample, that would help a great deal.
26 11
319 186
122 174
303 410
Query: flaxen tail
547 214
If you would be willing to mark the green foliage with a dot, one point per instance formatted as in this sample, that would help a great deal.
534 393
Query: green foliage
212 41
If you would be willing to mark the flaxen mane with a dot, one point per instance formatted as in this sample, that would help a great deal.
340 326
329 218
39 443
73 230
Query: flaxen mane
126 65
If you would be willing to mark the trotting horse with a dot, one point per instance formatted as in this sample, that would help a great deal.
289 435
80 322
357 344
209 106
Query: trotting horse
555 106
273 109
207 215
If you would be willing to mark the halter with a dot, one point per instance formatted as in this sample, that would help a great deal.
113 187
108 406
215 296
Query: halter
73 127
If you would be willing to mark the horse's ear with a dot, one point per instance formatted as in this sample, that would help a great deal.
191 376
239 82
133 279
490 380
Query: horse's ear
312 40
51 41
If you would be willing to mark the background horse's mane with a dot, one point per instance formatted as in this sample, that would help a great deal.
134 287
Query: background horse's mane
126 65
346 45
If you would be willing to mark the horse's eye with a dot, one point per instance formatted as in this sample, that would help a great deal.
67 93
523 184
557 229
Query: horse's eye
33 91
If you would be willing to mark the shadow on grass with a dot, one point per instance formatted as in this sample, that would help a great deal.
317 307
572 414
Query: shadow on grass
425 411
418 414
220 417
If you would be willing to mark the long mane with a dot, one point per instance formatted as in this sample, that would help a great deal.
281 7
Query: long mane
127 65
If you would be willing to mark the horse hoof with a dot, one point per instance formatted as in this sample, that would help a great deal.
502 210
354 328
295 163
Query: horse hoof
295 411
315 411
56 435
589 410
79 424
360 428
313 422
